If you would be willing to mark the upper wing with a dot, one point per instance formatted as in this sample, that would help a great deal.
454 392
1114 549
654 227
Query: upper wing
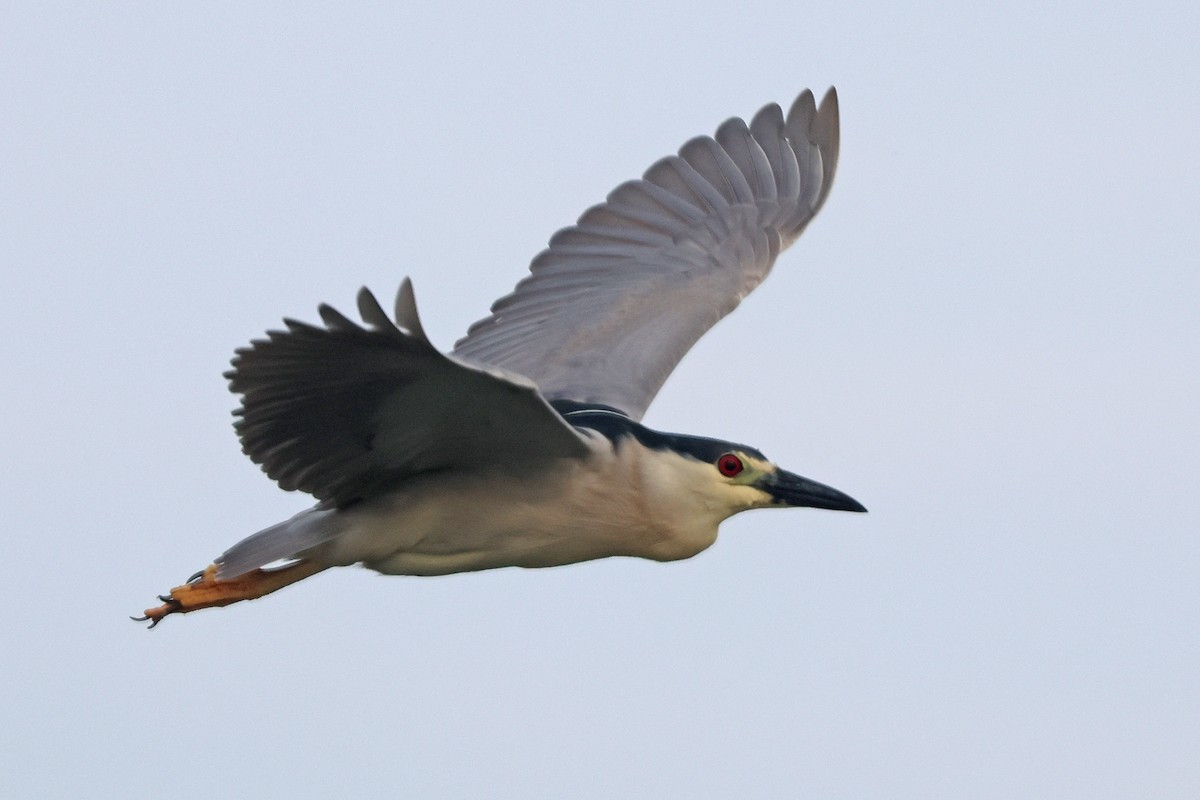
615 301
345 412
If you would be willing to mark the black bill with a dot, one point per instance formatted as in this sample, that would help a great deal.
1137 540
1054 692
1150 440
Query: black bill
789 489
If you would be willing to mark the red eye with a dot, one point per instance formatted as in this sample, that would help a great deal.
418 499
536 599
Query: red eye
729 465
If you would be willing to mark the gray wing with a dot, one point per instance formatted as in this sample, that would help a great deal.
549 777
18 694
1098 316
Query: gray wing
616 300
345 412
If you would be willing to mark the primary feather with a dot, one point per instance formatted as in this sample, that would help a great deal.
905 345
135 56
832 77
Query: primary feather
615 301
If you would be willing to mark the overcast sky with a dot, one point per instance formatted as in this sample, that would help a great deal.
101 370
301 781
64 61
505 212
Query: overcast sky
990 336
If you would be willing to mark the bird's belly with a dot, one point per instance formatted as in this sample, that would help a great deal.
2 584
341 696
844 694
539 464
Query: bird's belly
465 525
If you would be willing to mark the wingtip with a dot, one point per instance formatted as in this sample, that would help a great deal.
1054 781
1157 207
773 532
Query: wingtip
370 310
825 131
826 124
406 311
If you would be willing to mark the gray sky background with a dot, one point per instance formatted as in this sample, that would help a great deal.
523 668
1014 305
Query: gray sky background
990 336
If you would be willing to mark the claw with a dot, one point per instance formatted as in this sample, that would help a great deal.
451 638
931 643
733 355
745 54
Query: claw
155 615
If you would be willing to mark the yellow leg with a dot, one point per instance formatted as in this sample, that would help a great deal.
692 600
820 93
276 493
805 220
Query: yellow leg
206 590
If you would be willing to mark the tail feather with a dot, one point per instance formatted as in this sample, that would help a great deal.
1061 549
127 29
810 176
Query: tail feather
284 540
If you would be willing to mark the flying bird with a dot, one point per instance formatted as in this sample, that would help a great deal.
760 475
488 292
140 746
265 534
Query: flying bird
524 446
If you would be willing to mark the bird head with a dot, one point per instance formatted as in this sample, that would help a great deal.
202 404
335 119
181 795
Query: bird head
726 477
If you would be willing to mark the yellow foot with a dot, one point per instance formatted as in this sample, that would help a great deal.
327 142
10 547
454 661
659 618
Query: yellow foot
206 590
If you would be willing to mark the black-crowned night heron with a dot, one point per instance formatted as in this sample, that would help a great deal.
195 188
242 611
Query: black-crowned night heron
523 447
